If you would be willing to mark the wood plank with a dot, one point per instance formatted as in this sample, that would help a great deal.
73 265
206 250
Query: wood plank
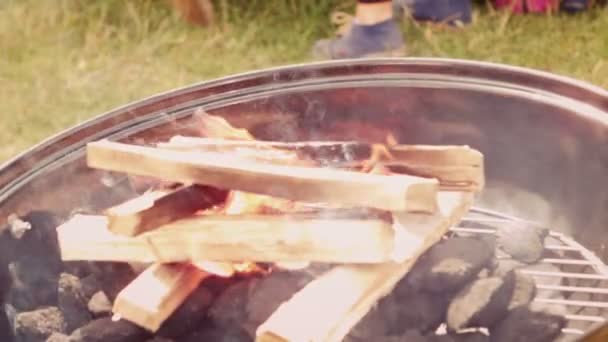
307 184
255 238
458 168
156 293
355 289
157 208
451 155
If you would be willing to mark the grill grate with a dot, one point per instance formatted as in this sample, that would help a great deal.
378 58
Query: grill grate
569 278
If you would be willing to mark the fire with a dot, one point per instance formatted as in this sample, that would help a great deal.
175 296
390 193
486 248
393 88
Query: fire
239 202
247 203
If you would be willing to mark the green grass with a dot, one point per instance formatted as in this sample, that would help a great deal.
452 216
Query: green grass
63 61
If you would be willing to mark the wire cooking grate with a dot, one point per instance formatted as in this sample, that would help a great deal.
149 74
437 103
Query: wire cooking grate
569 277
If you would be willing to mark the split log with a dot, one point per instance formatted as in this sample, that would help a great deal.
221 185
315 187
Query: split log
307 184
255 238
156 293
354 290
451 155
157 208
458 168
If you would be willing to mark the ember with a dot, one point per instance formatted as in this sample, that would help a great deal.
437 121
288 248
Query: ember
274 241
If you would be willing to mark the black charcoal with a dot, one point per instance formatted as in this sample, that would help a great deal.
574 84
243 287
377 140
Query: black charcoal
473 336
524 290
5 277
372 325
161 339
229 308
99 305
415 310
214 333
481 303
6 328
11 313
72 302
470 337
188 315
270 292
504 266
450 264
523 325
412 335
81 269
104 330
58 337
38 325
35 272
523 242
113 277
90 285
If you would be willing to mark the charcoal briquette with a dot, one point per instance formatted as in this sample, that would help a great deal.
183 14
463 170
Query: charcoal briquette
229 308
33 285
41 244
58 337
269 292
415 310
112 277
36 263
469 337
38 325
161 339
72 302
370 327
6 328
99 305
81 269
412 335
524 290
504 266
6 256
523 325
481 303
104 330
523 242
213 333
450 264
188 315
90 285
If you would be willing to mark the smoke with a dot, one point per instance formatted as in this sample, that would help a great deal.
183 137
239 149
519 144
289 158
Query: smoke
522 203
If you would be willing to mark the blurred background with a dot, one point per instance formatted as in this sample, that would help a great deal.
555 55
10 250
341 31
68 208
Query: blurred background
64 61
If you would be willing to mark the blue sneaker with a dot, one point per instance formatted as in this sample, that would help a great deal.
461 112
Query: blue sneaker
452 12
384 39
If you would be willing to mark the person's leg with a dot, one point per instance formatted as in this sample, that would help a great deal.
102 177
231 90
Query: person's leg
370 12
373 32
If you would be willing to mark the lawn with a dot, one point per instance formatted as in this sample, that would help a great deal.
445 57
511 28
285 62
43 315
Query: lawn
64 61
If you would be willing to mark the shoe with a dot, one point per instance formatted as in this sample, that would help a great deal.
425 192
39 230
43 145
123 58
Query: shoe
383 39
451 12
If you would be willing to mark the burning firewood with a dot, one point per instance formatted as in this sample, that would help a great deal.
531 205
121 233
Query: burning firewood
154 209
377 206
156 293
354 290
257 238
457 168
307 184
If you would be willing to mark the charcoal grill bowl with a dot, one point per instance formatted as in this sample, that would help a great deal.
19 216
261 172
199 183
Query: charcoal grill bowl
545 137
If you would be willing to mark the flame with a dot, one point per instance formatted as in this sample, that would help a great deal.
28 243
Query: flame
221 269
239 202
